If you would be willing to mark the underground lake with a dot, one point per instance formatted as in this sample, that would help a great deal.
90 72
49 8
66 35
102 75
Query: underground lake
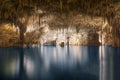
60 63
59 39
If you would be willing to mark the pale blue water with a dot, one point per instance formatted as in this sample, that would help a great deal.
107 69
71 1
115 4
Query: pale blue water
60 63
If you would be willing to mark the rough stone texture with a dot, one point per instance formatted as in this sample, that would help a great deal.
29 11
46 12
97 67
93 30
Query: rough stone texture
46 36
8 35
69 13
84 37
105 38
59 37
116 37
59 30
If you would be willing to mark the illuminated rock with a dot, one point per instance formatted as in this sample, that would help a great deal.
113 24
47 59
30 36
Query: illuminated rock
9 35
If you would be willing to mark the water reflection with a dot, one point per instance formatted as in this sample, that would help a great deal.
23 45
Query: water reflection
9 64
60 57
106 63
59 63
116 57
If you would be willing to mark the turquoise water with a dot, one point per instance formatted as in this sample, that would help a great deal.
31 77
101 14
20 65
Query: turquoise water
60 63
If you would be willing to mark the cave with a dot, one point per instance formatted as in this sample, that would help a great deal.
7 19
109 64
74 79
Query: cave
56 27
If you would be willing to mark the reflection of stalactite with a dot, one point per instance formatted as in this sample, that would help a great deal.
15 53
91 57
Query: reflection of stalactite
106 63
21 65
68 45
39 19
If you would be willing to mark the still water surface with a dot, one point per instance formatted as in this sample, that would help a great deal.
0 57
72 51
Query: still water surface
60 63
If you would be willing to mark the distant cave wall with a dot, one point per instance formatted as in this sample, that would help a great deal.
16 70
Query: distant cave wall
80 31
52 29
47 36
60 36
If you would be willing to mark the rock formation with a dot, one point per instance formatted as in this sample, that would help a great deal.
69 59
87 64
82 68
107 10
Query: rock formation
58 22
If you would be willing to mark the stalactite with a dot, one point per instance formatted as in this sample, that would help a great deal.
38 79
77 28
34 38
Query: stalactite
39 19
29 3
61 5
33 20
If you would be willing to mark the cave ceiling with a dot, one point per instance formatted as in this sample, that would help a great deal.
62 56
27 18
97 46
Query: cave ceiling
11 10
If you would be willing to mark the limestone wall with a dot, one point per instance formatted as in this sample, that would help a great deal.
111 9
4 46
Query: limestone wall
60 36
9 35
47 36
